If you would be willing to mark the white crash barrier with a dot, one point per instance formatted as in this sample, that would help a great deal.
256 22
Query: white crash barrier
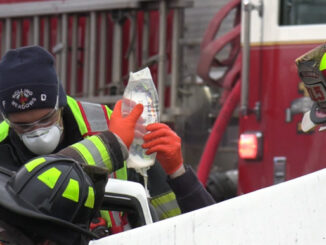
293 212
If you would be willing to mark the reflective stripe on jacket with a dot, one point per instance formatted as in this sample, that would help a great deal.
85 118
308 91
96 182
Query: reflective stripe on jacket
166 205
91 119
4 130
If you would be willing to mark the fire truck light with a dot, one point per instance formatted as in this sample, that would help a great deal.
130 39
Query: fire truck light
250 145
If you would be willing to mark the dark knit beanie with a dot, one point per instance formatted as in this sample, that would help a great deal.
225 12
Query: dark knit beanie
28 80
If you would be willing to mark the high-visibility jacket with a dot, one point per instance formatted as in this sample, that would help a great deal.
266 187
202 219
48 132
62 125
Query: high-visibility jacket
91 119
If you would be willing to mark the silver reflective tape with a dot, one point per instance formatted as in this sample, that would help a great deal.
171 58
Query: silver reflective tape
94 152
95 116
116 217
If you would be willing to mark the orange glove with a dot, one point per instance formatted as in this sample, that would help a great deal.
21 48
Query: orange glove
167 144
124 127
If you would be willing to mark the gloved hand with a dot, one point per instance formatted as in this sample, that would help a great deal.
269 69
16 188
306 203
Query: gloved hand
167 144
124 127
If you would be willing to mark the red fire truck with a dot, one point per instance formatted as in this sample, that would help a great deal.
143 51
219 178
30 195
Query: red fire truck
262 79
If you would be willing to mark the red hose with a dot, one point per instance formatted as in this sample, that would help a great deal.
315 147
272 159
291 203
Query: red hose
218 130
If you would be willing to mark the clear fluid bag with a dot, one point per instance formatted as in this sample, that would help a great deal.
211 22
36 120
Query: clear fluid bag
141 90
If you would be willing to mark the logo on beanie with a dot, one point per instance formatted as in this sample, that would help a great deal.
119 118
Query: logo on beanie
22 99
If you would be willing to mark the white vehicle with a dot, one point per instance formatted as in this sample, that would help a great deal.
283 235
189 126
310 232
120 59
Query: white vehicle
292 212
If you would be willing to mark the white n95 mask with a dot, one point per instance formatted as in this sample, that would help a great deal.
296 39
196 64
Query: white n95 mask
43 140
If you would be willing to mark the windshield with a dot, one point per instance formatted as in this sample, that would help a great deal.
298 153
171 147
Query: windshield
302 12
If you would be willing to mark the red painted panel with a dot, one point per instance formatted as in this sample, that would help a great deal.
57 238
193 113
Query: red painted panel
275 83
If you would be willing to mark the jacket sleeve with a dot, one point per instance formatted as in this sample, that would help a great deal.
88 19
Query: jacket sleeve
190 193
102 150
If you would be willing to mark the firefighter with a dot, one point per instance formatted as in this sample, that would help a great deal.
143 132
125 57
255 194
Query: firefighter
39 118
49 200
312 71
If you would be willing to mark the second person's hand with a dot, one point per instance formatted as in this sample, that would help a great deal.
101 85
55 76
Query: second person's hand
167 144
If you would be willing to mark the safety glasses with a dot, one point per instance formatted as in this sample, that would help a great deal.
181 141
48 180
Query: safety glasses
50 118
